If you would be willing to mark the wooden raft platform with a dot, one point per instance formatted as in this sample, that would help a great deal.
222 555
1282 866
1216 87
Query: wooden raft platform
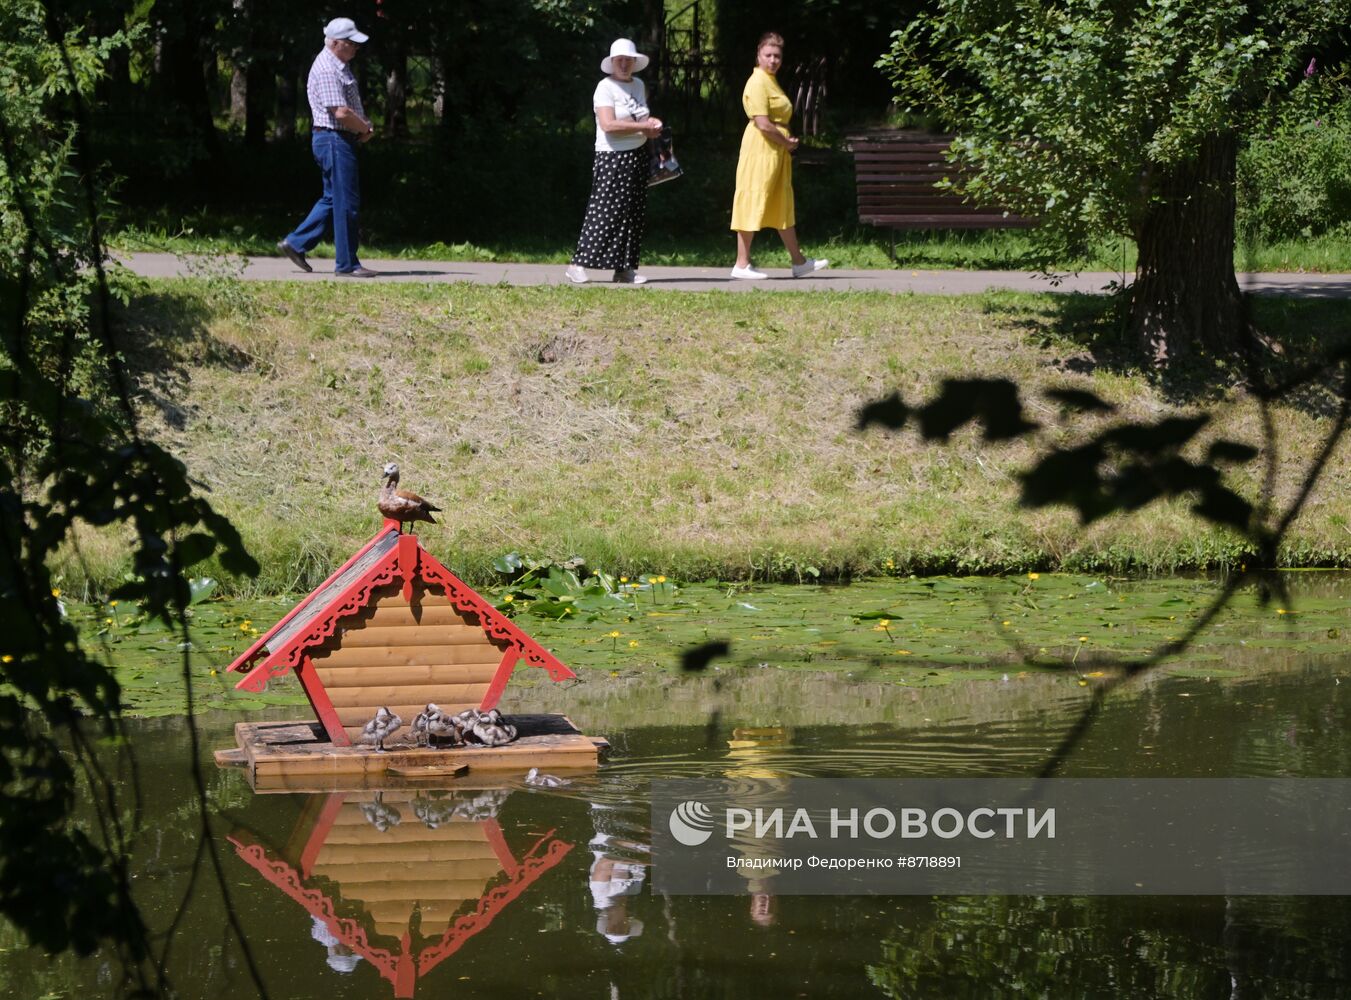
298 756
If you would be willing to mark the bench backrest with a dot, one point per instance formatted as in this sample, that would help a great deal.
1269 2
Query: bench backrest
896 177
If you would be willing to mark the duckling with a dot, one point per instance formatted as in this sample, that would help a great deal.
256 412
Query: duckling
445 727
533 777
485 805
382 727
422 724
468 718
379 815
433 811
400 505
492 730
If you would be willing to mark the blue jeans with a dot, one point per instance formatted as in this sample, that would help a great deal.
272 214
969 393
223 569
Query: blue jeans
336 155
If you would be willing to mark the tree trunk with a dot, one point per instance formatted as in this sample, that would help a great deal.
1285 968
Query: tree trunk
438 90
652 38
396 94
239 94
1186 297
256 103
287 92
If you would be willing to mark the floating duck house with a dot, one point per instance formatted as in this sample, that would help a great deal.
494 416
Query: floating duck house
393 627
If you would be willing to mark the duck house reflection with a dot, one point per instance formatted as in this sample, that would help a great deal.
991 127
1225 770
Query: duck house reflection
400 878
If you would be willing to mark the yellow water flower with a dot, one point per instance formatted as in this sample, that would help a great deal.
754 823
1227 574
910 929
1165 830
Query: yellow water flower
112 604
1083 638
107 621
1280 611
7 658
1004 622
615 635
661 579
1034 576
623 579
633 644
56 591
508 599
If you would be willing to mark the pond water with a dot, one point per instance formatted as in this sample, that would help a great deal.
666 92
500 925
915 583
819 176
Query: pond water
498 889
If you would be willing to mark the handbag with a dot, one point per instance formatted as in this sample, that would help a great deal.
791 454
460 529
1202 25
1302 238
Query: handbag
663 165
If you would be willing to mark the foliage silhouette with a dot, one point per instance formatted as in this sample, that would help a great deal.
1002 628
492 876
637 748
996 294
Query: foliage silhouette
72 459
1098 471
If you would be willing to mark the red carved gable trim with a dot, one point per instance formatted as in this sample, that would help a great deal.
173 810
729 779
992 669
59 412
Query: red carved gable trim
408 562
255 651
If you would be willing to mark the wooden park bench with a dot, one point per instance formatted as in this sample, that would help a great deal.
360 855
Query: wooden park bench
897 174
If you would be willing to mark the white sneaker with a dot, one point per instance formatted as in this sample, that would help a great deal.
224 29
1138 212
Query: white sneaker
748 273
627 276
809 266
577 274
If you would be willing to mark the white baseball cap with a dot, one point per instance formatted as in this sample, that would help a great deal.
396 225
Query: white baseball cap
624 47
345 27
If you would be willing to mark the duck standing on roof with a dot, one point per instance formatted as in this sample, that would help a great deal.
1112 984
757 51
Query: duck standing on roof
382 727
400 505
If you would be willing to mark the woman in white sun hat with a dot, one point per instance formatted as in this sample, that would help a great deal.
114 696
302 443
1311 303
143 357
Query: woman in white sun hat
612 232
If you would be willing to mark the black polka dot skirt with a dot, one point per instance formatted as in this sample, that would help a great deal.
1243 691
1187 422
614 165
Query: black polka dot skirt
612 232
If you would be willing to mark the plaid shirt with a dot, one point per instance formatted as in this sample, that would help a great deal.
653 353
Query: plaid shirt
331 85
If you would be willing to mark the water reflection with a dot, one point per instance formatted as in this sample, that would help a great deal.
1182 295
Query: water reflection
401 879
615 876
516 890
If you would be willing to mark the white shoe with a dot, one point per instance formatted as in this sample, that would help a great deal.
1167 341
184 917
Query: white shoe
577 274
809 266
628 276
748 273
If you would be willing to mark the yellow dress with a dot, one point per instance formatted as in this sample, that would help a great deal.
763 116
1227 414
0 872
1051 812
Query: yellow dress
764 171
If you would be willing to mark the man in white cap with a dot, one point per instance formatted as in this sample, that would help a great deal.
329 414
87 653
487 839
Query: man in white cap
340 125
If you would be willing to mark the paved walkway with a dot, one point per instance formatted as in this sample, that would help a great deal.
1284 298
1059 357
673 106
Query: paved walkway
707 279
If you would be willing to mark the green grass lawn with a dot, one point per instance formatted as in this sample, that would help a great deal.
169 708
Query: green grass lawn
695 434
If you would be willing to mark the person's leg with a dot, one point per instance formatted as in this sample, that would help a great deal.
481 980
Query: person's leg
634 212
591 240
743 248
346 205
311 231
789 237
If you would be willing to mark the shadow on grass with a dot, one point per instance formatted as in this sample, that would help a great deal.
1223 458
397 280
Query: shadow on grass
161 337
1085 334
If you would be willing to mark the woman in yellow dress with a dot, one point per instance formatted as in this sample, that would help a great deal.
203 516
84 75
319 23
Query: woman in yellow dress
764 171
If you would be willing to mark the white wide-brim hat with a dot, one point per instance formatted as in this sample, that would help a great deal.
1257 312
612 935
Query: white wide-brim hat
624 47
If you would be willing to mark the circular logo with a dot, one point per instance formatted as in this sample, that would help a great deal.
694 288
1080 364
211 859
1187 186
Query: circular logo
691 823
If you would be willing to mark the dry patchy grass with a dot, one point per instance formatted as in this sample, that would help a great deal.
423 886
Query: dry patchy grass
700 435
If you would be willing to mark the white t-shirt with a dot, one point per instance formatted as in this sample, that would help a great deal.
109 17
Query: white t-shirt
629 100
